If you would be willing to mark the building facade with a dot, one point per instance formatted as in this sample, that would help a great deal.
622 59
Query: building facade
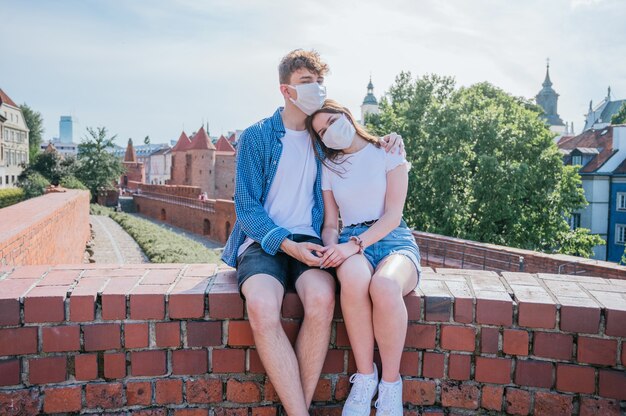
600 116
13 141
159 166
601 155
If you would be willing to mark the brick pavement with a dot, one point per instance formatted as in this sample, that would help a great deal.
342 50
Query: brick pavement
112 244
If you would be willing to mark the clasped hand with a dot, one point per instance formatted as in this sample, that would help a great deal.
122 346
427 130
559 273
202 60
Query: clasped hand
315 255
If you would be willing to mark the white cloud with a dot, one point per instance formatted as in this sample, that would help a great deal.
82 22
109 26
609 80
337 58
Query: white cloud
150 67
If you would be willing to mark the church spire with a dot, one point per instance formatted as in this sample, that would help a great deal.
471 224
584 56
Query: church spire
546 82
130 155
547 98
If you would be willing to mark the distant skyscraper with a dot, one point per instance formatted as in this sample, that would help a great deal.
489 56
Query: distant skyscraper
66 129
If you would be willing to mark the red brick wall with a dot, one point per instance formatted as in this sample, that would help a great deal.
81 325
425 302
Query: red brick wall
50 229
203 170
190 214
172 339
438 250
175 190
224 175
213 172
134 172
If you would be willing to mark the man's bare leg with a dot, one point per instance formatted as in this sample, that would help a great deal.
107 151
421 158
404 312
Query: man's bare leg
316 289
264 298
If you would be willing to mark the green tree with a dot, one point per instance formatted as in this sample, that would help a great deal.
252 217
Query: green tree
579 242
52 166
620 116
98 168
33 184
484 166
34 121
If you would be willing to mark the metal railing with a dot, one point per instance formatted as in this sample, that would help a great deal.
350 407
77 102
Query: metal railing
576 266
208 206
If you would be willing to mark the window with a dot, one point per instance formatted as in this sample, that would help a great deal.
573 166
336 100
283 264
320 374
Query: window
577 160
620 234
621 201
574 221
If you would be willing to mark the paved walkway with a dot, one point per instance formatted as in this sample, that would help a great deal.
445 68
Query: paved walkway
202 240
112 244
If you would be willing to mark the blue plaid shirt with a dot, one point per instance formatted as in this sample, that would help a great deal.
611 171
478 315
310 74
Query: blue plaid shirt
258 153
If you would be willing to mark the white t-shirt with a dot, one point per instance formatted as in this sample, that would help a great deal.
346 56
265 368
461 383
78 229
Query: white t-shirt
290 200
360 183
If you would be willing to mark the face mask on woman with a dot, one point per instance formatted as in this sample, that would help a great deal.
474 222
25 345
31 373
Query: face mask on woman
310 97
340 134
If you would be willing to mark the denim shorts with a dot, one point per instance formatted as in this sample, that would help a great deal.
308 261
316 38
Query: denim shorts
281 266
399 241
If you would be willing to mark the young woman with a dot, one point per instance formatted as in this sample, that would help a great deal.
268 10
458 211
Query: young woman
376 257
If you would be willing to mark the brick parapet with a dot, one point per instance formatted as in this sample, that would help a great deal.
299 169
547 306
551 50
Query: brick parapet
173 339
442 251
51 228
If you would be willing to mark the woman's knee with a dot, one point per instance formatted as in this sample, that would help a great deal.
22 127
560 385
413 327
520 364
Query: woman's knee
384 291
355 278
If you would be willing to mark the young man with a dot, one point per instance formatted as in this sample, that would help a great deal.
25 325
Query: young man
275 243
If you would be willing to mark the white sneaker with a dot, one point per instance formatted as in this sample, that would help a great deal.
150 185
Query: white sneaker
389 402
359 402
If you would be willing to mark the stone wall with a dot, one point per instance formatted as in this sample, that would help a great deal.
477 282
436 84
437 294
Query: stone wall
173 339
49 229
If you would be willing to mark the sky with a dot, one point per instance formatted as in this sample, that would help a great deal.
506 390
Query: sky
155 67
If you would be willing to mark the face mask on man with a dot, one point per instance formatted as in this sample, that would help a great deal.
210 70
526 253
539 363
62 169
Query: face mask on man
310 97
340 134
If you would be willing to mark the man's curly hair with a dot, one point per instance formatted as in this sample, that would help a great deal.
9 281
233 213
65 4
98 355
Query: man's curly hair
299 58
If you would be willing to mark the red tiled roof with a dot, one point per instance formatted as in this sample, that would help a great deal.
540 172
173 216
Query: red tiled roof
182 144
201 141
50 148
4 98
223 145
232 138
599 139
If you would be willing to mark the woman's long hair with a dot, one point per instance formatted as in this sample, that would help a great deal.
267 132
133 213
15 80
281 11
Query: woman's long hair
324 153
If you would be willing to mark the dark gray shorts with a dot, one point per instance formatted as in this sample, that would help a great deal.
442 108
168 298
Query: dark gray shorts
284 268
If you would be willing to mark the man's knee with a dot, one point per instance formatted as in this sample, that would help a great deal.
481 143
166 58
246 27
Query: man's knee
263 313
264 296
318 297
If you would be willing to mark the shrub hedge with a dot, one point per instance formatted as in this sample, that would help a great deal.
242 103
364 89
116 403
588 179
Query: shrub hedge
10 196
